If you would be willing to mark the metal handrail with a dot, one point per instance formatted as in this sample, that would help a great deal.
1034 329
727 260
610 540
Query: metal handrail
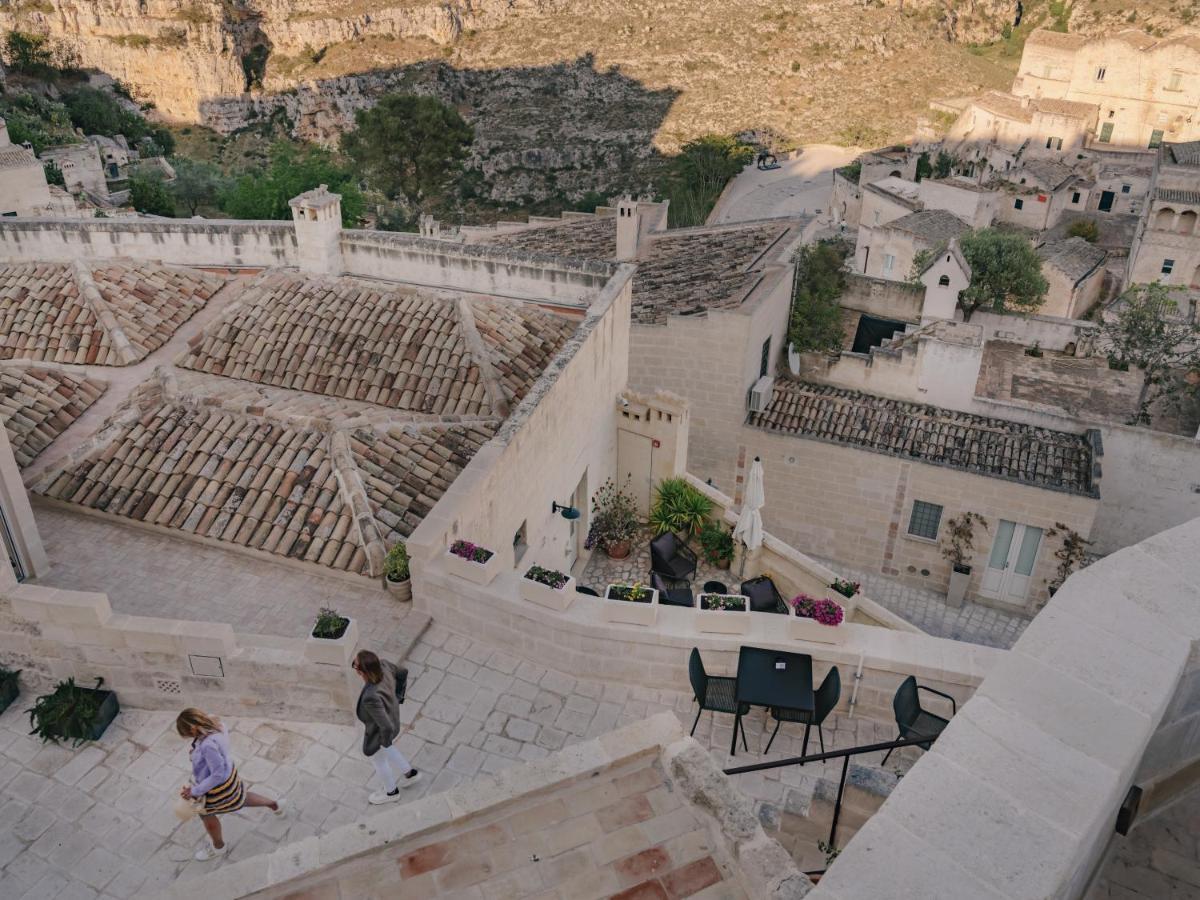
833 754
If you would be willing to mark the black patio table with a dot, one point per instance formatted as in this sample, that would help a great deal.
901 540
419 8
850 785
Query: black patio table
761 681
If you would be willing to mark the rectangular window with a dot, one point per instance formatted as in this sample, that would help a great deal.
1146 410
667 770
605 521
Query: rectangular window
1100 73
1054 143
1168 266
1018 203
1175 82
1125 188
765 363
1106 131
925 520
1075 197
888 261
1156 137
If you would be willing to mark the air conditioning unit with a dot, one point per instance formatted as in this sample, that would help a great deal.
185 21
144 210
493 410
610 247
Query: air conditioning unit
760 394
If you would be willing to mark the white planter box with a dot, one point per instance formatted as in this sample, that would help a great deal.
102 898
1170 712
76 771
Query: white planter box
723 621
478 573
628 613
333 652
548 597
958 588
806 629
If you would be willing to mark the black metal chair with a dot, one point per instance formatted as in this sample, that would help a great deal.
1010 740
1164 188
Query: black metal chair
671 557
764 596
580 589
671 596
714 693
826 698
912 720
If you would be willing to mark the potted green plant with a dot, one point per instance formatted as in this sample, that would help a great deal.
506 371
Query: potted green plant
846 587
723 613
1071 554
631 604
469 560
959 549
333 640
10 686
73 713
679 507
547 587
396 576
716 543
614 520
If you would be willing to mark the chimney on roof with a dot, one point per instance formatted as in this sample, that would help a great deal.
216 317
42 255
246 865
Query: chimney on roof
628 228
317 219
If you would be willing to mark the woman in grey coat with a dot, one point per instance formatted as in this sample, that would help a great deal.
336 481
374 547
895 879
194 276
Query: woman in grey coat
379 710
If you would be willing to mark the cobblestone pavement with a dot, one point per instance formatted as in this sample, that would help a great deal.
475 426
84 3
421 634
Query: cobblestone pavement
1160 860
149 574
974 623
602 571
97 821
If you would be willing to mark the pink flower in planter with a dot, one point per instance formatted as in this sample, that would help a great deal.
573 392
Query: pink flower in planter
826 611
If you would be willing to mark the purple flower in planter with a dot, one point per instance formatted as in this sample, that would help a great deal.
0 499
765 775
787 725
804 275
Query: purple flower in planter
828 612
470 552
803 604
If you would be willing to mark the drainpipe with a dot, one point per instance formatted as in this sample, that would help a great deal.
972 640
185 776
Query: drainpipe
857 682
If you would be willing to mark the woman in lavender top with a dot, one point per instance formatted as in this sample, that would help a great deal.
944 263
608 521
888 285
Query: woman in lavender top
215 777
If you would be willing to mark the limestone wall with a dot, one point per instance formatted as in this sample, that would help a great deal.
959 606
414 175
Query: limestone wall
168 664
883 298
1099 693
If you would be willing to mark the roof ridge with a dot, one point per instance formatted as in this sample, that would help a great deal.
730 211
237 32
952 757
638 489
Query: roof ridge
479 352
89 293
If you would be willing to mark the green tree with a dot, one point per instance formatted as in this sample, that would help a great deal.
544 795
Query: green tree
30 54
924 167
1147 331
293 170
196 184
1006 273
1086 229
148 194
699 173
816 317
54 174
98 112
943 164
409 146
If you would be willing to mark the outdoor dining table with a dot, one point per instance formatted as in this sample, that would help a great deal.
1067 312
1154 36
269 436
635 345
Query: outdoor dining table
773 678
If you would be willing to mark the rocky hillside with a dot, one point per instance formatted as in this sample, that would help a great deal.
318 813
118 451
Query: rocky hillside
561 92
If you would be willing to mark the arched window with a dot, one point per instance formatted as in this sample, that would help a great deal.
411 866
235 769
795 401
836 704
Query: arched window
944 281
1164 219
895 173
1187 222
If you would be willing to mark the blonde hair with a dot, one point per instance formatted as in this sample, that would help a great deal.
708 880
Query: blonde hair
191 721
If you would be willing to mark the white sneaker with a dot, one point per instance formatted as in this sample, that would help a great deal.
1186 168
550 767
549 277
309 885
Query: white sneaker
208 851
409 780
280 806
380 797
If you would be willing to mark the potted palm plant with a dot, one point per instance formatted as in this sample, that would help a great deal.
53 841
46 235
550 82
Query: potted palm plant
333 640
679 507
614 521
723 613
959 549
396 576
631 604
10 686
73 713
547 587
471 561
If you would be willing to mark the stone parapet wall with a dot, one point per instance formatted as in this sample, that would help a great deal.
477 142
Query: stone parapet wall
883 298
168 664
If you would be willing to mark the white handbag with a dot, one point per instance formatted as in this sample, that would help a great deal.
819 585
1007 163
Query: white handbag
186 809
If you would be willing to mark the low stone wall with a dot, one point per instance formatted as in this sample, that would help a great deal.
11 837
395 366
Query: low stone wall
169 664
884 298
1019 796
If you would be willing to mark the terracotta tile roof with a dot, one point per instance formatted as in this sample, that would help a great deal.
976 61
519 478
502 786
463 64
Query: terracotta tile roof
398 347
583 239
243 480
690 272
17 158
1186 153
405 471
1063 107
45 313
993 447
37 405
1057 39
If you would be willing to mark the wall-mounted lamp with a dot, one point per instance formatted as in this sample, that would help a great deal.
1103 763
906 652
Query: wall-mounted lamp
567 512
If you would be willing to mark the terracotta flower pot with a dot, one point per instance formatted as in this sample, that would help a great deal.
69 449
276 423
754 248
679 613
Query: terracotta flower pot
619 550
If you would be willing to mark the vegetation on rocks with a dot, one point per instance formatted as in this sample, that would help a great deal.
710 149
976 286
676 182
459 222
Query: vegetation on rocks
293 169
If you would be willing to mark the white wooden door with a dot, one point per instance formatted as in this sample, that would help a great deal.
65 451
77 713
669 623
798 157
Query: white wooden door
1010 564
635 458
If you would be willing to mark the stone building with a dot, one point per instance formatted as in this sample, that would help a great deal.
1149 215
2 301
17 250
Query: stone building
23 188
889 250
1036 194
1166 245
1020 126
1075 272
80 167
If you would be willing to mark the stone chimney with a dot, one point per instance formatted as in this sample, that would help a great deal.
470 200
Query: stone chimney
4 139
628 228
317 217
1024 103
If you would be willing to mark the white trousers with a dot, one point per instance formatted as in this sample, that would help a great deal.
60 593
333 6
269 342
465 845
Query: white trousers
390 764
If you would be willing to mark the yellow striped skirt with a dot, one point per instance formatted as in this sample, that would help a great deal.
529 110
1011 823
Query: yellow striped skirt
225 798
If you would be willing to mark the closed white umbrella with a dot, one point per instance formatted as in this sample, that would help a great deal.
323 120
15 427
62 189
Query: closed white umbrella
749 528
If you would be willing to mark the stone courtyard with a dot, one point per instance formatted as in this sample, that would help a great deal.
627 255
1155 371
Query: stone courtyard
97 821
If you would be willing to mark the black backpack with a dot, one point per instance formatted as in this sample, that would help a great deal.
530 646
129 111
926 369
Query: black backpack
401 684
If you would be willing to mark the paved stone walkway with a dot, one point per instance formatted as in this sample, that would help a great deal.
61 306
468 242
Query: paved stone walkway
1159 860
151 574
97 821
974 623
802 185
